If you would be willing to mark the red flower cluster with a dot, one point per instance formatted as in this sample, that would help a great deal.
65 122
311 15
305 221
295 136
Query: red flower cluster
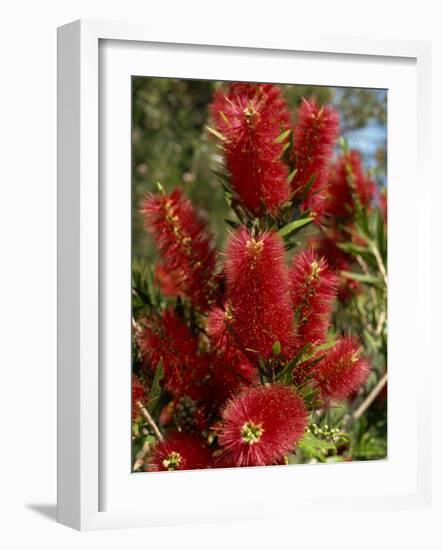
258 291
262 424
186 249
349 185
165 281
342 371
232 369
246 338
179 452
313 290
251 118
314 137
168 338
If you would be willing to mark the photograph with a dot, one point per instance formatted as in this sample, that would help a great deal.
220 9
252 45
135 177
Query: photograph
259 274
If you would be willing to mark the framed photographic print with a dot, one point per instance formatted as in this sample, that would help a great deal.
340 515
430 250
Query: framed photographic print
231 287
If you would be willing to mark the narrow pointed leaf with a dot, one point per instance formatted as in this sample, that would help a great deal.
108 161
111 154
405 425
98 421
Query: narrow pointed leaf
293 226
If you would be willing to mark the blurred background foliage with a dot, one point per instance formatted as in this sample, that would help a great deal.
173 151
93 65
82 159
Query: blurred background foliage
170 144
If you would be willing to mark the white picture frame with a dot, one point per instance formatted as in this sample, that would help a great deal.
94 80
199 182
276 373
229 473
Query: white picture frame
81 266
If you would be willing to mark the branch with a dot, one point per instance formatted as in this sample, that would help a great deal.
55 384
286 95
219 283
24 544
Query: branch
379 261
141 455
370 398
150 421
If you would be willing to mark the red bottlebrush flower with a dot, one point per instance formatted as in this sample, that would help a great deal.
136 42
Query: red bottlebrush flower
165 281
349 185
314 137
179 452
231 367
262 424
383 204
168 338
251 117
338 260
138 395
220 323
326 246
220 327
258 290
187 252
313 290
342 370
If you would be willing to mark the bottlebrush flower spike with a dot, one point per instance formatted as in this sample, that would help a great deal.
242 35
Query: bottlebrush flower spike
313 290
179 452
184 245
232 369
314 137
342 370
168 338
251 118
258 290
220 329
262 424
165 281
349 185
337 259
383 203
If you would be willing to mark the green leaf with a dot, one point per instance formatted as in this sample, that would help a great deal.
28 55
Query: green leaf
285 147
276 348
293 226
286 374
222 176
312 446
343 144
310 440
353 248
291 176
362 277
308 186
160 188
233 224
155 389
282 137
325 346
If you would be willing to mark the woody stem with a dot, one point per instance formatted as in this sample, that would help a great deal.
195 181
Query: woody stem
370 398
145 414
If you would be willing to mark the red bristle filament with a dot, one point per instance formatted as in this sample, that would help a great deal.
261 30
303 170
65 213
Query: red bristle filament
342 370
349 187
168 339
232 368
179 452
262 424
258 290
165 281
314 137
252 117
184 245
313 290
